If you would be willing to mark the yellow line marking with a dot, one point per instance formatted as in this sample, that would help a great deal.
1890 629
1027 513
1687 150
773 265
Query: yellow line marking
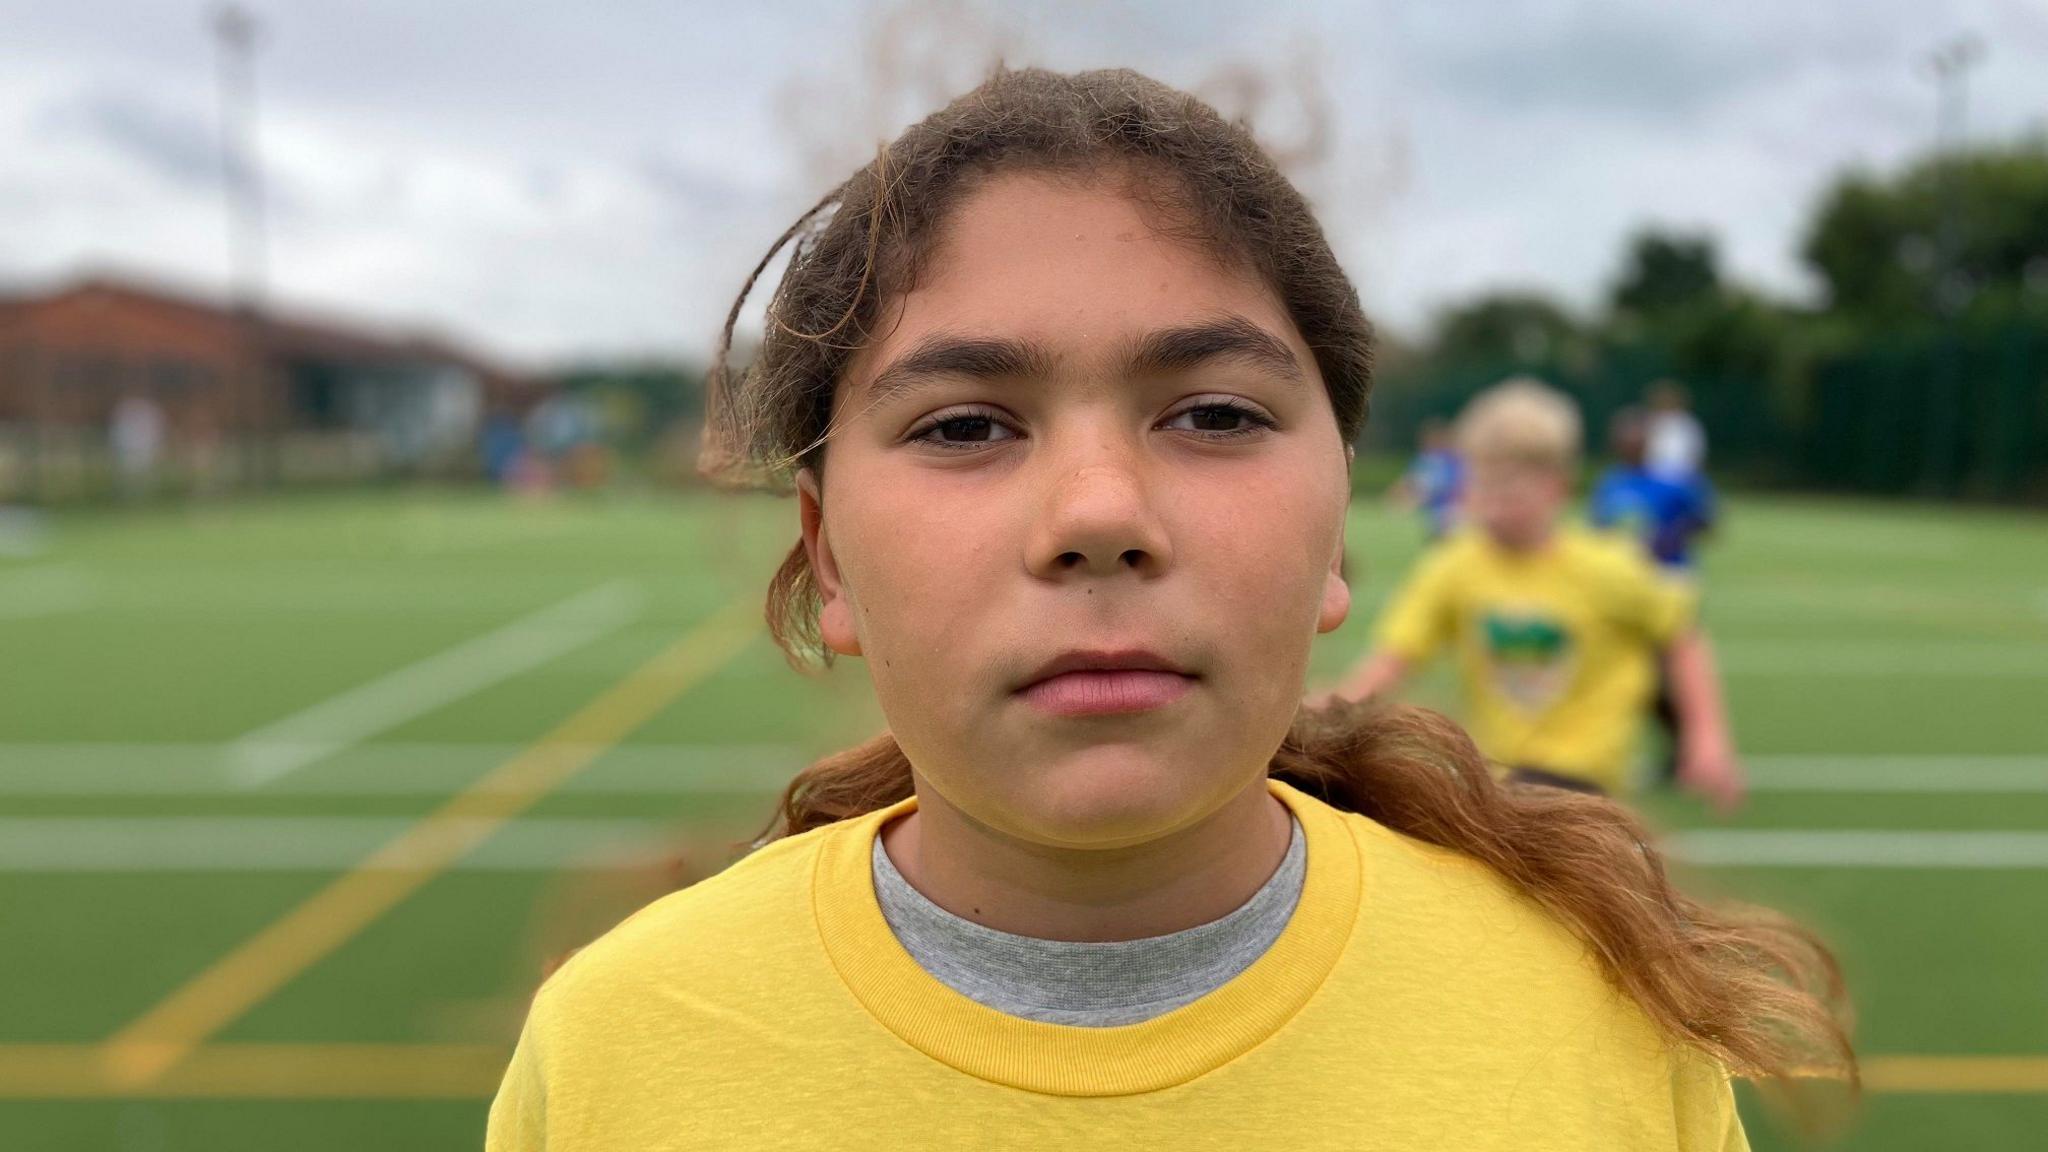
472 1071
1979 1074
262 1071
155 1042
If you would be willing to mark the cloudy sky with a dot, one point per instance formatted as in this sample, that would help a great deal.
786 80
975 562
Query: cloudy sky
550 180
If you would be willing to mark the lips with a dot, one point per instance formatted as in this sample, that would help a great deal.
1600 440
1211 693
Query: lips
1102 683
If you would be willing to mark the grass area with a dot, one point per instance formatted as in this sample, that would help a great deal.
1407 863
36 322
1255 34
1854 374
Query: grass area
205 716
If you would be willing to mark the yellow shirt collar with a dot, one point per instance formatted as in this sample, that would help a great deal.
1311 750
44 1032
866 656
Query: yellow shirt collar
1066 1060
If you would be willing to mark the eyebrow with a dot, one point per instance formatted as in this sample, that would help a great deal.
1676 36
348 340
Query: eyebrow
945 355
1223 338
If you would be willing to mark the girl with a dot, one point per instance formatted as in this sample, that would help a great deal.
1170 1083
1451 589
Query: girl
1064 381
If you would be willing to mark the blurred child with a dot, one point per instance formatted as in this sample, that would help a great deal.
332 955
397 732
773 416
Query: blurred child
135 434
1435 482
1667 513
1676 443
1557 631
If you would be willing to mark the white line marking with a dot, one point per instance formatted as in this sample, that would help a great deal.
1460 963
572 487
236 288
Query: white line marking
317 843
45 590
1775 600
176 769
278 749
1989 660
1909 775
326 843
1845 848
384 769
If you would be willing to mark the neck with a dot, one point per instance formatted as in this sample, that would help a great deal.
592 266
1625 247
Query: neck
1184 879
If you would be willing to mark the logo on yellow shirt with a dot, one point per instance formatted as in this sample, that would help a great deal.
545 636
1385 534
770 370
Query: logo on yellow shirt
1529 655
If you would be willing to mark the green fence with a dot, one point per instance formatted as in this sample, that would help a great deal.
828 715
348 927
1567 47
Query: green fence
1933 415
1918 413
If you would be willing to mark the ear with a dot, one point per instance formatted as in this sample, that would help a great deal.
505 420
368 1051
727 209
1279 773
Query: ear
1336 590
835 612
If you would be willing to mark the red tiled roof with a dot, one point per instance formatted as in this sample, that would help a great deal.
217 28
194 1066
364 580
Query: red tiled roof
288 333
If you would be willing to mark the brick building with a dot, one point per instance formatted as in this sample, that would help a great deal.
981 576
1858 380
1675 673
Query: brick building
241 397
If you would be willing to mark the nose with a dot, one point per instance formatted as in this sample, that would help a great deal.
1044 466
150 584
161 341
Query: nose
1098 516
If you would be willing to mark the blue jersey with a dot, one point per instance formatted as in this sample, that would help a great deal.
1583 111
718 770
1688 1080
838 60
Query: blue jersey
1665 513
1438 480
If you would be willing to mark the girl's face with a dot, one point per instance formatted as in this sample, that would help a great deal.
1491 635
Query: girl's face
1082 516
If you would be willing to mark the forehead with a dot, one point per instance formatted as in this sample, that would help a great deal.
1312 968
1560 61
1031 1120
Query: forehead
1509 469
1077 265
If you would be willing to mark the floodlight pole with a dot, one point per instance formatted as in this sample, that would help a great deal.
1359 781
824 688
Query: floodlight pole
1949 66
235 30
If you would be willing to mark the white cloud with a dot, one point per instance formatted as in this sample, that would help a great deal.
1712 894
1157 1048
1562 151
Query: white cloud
550 179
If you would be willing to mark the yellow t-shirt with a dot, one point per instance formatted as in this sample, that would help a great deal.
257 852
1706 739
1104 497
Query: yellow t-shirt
1413 1001
1556 648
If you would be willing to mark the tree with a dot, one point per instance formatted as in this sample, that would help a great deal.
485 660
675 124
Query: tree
1733 334
916 55
1664 272
1878 244
1525 327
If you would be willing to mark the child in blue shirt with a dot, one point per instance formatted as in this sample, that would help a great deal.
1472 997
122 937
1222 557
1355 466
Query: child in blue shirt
1435 483
1668 514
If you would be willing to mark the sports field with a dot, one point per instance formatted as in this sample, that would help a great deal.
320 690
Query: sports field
297 795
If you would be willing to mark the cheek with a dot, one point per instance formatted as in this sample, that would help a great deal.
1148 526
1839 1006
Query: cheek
1266 541
917 562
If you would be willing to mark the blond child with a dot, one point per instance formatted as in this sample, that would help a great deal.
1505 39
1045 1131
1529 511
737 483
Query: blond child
1556 631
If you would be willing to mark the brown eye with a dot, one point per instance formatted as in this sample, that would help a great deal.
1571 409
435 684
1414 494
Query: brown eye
1216 419
964 430
1219 420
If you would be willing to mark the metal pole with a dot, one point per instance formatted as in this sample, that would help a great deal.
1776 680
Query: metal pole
1949 66
241 175
236 31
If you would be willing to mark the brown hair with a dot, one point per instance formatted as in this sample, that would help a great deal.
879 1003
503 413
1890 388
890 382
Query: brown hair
1750 988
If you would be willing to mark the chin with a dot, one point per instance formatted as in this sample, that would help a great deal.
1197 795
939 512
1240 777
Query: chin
1113 796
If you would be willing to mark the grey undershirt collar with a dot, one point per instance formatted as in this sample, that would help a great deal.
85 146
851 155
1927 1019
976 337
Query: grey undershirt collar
1088 984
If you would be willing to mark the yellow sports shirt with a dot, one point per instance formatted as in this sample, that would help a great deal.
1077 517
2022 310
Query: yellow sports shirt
1413 1001
1556 648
